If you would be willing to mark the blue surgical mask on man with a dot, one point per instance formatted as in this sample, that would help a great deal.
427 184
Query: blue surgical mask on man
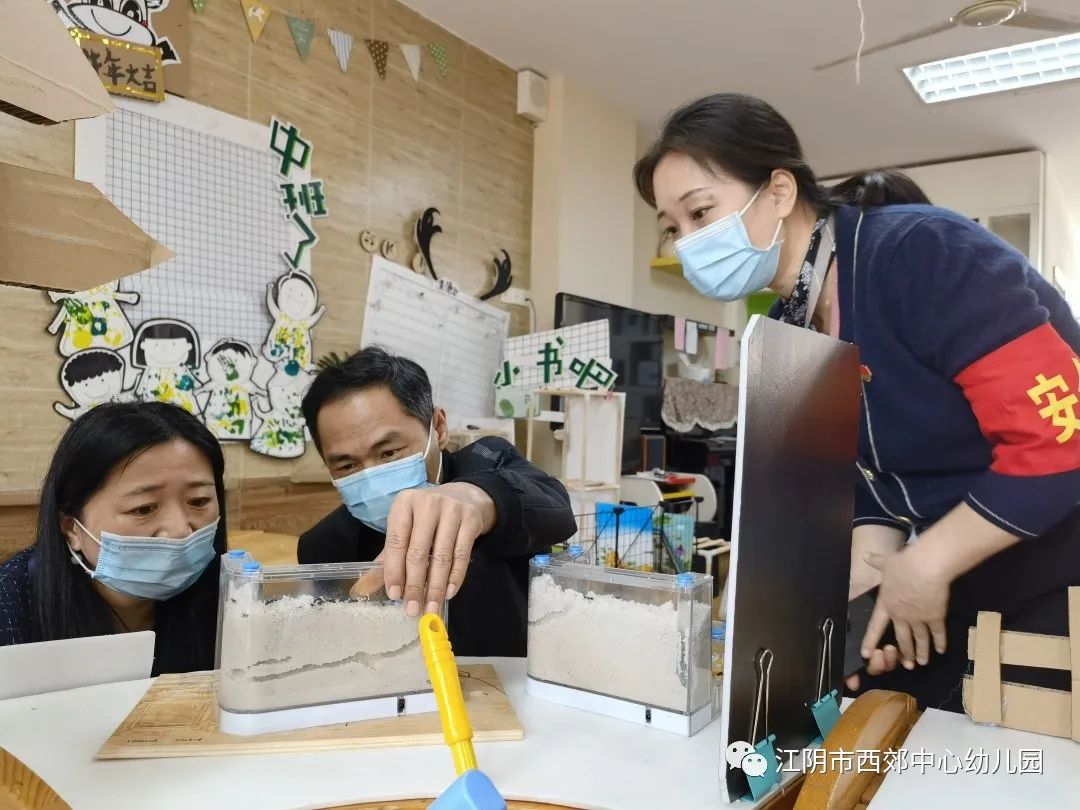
150 567
720 261
369 494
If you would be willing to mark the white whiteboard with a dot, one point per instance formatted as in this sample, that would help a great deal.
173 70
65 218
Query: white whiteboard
456 338
205 184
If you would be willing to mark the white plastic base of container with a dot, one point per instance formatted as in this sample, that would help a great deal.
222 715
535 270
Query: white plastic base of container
328 714
663 719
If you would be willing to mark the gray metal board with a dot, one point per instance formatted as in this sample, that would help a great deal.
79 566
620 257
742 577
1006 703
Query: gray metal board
799 402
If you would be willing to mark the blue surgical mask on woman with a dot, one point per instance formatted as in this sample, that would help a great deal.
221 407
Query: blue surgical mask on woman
150 567
369 494
720 261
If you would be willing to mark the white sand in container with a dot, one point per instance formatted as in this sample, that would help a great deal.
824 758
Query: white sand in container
303 651
618 647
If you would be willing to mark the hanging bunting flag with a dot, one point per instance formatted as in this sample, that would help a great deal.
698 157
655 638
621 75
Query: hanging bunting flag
198 5
303 31
342 45
256 15
438 53
412 59
379 50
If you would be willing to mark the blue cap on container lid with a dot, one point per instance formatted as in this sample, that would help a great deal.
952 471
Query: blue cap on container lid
685 579
542 559
236 554
252 567
576 550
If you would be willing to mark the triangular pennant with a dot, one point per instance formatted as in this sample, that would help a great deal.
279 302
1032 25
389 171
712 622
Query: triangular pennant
442 60
303 31
412 59
342 45
256 15
379 50
198 5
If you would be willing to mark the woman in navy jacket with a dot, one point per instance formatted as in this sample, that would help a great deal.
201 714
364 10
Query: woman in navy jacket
970 433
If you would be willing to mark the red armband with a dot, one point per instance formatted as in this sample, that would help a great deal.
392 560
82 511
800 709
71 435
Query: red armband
1026 398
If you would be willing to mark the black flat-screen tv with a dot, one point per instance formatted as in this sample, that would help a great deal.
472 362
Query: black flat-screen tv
637 356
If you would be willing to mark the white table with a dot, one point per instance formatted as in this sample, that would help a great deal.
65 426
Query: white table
567 756
945 734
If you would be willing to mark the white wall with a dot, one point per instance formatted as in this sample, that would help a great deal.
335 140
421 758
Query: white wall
583 213
991 186
664 292
1061 239
583 206
591 234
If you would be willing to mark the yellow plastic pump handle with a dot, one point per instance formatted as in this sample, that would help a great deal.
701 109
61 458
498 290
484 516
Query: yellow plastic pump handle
442 670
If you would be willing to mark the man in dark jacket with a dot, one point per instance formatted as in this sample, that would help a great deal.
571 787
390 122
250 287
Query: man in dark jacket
459 526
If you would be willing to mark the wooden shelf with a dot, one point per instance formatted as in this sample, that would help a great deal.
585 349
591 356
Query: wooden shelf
576 485
666 264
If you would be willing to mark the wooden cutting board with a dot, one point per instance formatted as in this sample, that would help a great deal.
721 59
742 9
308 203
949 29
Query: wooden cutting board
178 717
22 789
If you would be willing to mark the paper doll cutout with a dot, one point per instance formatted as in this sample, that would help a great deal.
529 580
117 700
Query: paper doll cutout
227 398
92 319
167 350
92 377
283 432
129 20
293 304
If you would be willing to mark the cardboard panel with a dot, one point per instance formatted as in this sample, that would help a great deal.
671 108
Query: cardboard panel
1028 708
1029 650
1074 645
986 698
44 77
65 235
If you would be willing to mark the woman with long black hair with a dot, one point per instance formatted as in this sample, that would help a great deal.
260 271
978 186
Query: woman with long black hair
970 433
130 529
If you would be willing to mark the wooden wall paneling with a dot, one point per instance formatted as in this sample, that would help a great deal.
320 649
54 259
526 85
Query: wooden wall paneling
397 23
386 149
284 507
17 529
219 35
217 86
491 86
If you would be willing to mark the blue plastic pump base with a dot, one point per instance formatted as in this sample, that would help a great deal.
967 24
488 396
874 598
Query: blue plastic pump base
470 791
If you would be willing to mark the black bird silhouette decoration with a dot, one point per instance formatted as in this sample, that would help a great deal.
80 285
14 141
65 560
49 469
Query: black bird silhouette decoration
503 279
425 230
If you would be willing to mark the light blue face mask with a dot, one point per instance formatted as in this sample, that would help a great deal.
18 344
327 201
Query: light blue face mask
720 261
369 494
150 567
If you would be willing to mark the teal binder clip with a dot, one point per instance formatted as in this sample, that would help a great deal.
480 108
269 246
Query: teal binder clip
761 785
826 714
826 710
760 767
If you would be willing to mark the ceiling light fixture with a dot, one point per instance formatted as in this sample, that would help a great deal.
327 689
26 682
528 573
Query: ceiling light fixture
1002 69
